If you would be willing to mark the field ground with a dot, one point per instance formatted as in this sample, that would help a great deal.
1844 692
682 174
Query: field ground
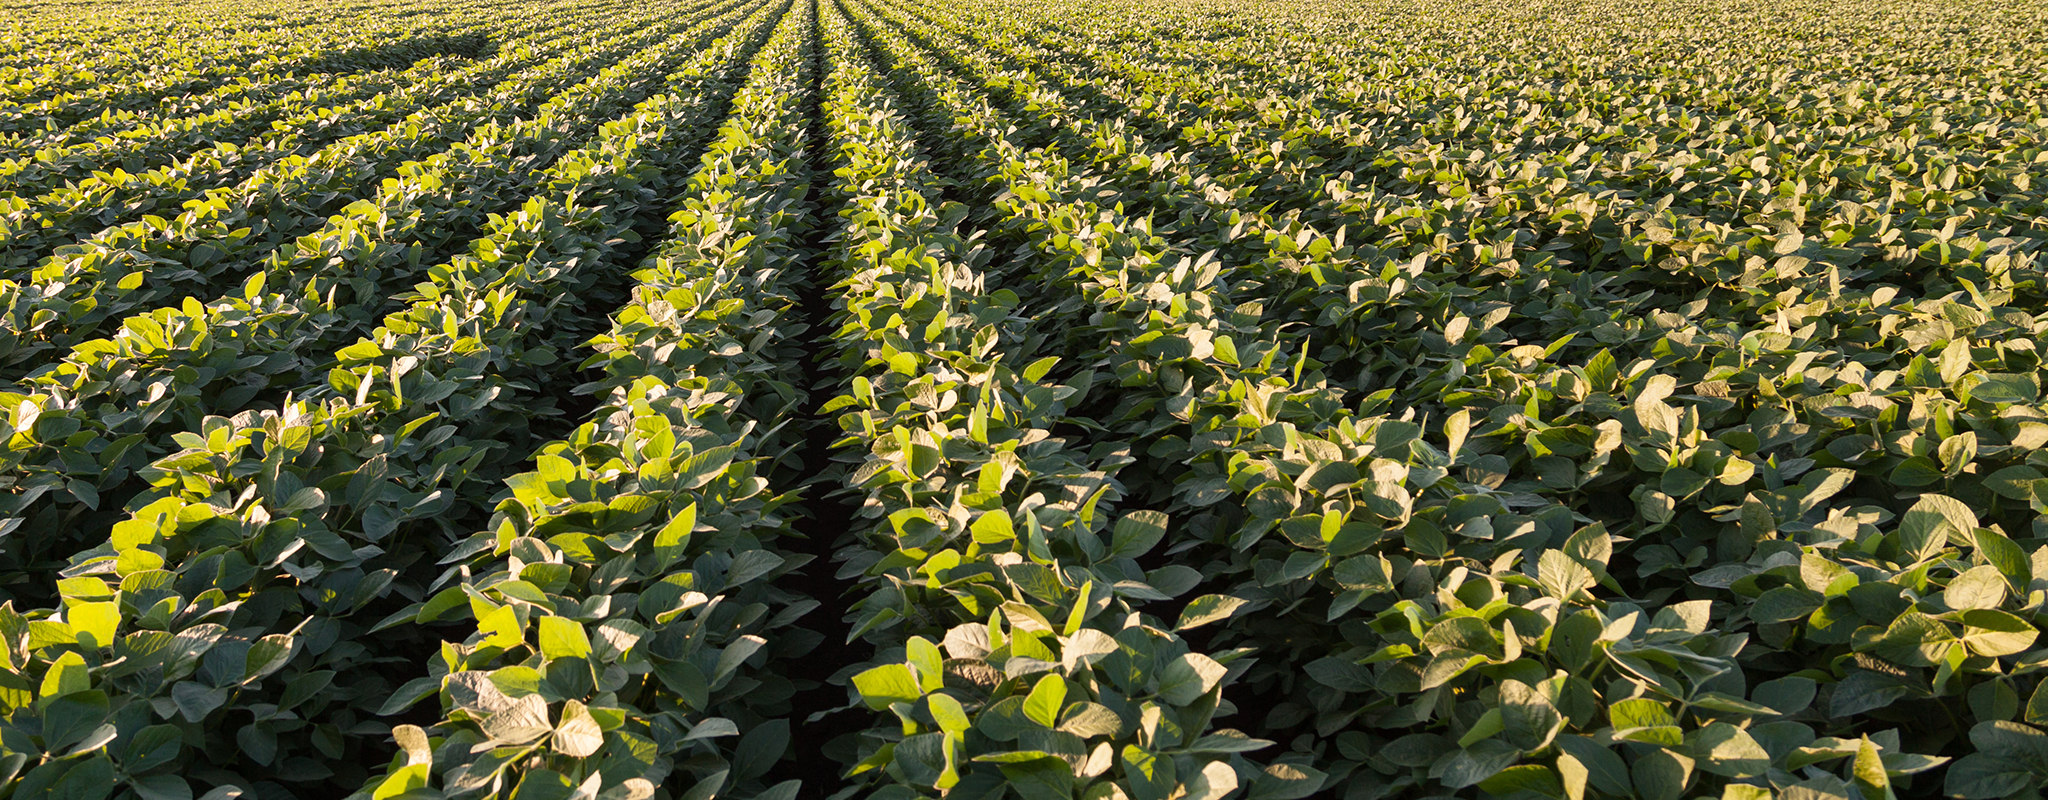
1269 399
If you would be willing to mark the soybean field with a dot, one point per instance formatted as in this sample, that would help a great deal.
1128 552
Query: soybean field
983 399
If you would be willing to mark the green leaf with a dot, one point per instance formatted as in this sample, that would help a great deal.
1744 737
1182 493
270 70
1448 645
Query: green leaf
1994 700
412 740
1489 725
1639 712
1534 778
1209 608
152 746
1090 720
1916 471
1602 370
1340 674
1786 694
1044 778
561 637
94 623
1036 370
1591 545
928 663
69 779
1047 698
1991 632
401 781
1458 425
993 527
412 692
266 655
2011 741
1865 690
1915 639
705 466
1604 768
1470 765
1187 678
501 628
2014 482
1137 533
1661 775
1561 575
195 701
1370 573
1869 771
1926 528
1744 791
1148 776
1216 781
952 718
543 784
67 675
1227 741
161 787
750 564
1469 634
1724 749
523 720
69 719
1979 587
889 683
1785 603
2007 557
578 735
2005 389
2037 705
1978 776
1286 782
672 542
1572 777
1530 719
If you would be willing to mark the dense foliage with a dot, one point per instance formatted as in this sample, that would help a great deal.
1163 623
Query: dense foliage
1266 399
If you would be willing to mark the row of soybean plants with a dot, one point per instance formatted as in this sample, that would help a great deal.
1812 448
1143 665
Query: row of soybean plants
1761 300
38 221
622 621
47 56
1006 582
106 85
43 36
248 103
252 112
1999 181
88 420
62 195
1533 199
1781 453
1287 571
221 634
237 199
